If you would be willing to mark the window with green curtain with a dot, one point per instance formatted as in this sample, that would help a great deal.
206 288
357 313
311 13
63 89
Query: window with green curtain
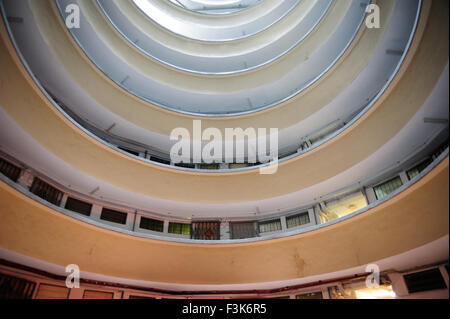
388 187
180 228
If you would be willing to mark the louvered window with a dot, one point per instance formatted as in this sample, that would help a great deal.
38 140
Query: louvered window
9 170
269 226
15 288
297 220
78 206
413 172
151 224
388 187
425 280
114 216
205 230
46 191
440 150
242 230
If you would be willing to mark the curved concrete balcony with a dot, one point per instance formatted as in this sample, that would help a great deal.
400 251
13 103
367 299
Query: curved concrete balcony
347 104
253 53
219 28
216 7
345 248
218 96
205 191
361 170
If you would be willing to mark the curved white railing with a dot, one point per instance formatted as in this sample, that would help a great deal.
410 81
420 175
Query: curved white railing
222 28
133 215
247 60
352 95
213 104
216 7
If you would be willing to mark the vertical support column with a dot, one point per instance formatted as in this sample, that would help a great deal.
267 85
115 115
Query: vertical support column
398 284
166 227
96 211
64 200
404 177
325 293
131 219
363 191
317 214
26 179
312 216
370 195
225 230
283 223
444 274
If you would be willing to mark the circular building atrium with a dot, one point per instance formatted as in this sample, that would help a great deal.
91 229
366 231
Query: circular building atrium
224 149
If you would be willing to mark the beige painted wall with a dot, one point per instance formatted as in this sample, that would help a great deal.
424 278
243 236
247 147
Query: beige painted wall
415 217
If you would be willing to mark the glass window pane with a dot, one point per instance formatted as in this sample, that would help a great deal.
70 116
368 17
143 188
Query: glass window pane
342 206
269 226
242 230
298 220
78 206
151 224
413 172
179 228
113 216
388 187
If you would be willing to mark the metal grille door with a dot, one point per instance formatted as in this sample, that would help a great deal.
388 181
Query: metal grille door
205 230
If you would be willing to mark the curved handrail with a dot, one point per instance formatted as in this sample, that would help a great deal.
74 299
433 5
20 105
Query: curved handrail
299 153
277 235
190 70
339 131
289 96
285 13
251 4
